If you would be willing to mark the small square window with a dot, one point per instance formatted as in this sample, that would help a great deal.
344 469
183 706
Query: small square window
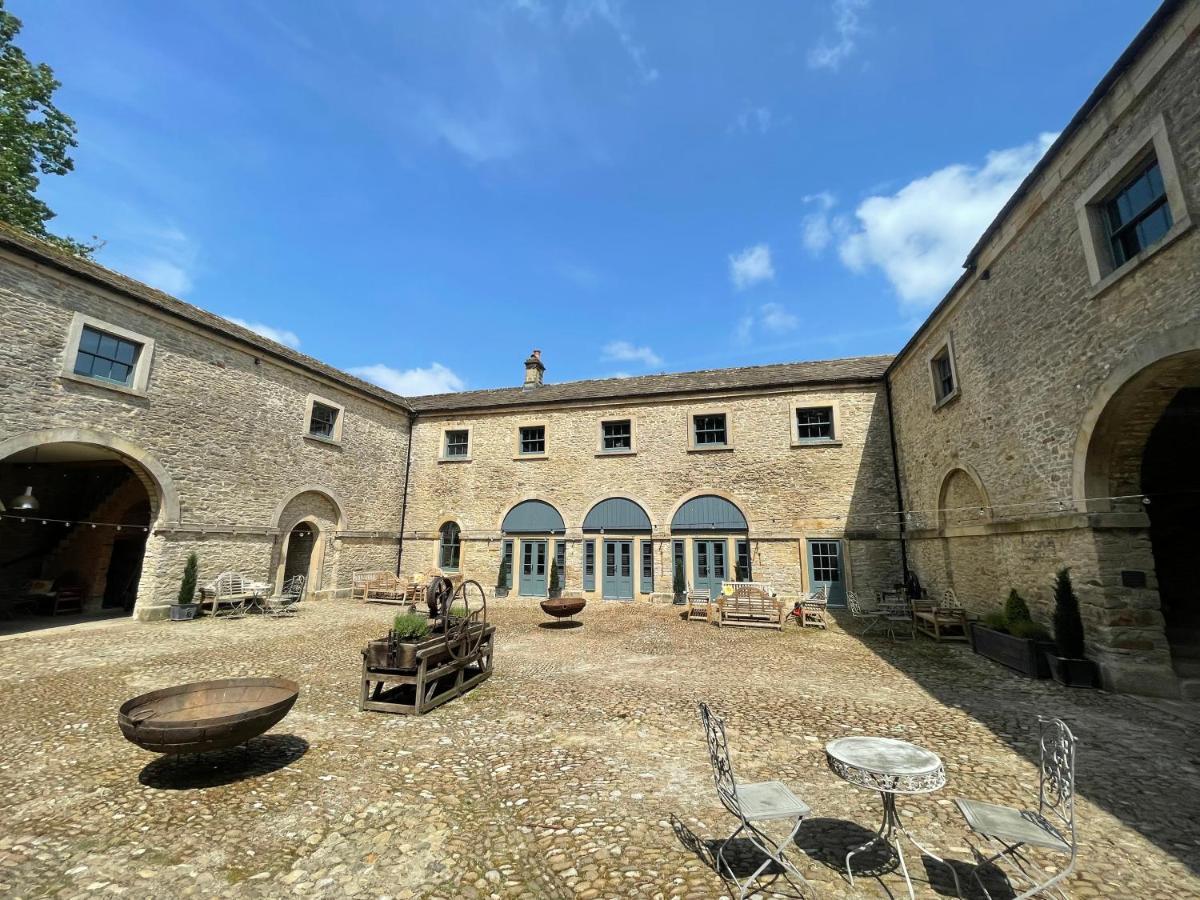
323 420
709 430
106 357
533 439
1138 214
617 435
814 424
944 384
457 444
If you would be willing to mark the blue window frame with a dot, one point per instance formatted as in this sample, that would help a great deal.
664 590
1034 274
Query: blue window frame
617 436
1138 215
647 567
560 560
457 443
678 563
744 571
589 565
508 552
106 357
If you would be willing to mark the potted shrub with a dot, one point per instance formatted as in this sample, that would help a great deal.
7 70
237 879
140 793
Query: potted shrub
1068 664
502 578
555 587
185 605
679 584
1011 638
399 649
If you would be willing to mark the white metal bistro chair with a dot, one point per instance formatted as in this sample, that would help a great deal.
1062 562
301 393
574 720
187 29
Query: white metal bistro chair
285 603
1051 827
866 612
764 801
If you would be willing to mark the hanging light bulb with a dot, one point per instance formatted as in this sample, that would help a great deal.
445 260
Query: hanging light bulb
26 501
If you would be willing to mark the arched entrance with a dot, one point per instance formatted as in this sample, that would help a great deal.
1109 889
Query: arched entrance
710 538
626 553
533 541
1137 459
76 517
308 521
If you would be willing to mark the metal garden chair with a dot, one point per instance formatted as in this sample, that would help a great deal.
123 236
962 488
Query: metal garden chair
867 613
285 602
764 801
1051 827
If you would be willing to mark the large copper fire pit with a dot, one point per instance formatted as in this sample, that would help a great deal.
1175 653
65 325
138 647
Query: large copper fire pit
561 607
206 715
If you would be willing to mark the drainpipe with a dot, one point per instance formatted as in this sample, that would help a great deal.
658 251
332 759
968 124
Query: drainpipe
887 390
412 419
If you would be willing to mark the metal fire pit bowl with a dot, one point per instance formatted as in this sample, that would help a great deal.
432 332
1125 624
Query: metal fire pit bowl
206 715
561 607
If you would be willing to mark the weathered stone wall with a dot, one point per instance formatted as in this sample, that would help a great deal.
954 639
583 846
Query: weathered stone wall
224 420
787 492
1034 345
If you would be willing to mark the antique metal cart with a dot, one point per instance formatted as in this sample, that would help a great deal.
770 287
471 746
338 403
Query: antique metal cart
414 677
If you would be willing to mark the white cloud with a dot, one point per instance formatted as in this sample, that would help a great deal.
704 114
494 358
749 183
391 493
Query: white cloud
920 235
817 228
751 266
829 53
578 13
162 274
434 379
480 138
278 335
624 351
769 319
753 118
776 318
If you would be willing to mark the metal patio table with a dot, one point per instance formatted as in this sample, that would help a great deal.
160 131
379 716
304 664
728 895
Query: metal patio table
891 767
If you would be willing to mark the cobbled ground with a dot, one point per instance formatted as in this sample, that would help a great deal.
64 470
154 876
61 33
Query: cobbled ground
577 771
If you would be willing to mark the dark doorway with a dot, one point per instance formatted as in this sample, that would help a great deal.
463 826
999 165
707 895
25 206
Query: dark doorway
1171 481
299 552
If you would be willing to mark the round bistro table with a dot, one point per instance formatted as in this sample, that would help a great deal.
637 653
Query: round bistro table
891 767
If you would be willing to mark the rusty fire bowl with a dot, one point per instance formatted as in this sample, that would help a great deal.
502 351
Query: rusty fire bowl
206 715
561 607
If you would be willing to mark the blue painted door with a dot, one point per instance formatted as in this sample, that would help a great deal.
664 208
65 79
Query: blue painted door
825 570
533 569
710 562
616 580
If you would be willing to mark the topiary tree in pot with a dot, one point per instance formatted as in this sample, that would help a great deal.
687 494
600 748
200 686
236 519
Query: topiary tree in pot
502 576
1069 665
185 605
554 585
679 584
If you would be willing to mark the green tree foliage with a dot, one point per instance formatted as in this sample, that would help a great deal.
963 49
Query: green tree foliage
35 137
187 587
1016 609
554 583
502 576
1068 624
680 583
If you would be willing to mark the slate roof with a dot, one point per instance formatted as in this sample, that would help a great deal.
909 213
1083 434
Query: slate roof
31 248
852 370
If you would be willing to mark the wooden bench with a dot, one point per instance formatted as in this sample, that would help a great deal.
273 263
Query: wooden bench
751 607
943 621
376 587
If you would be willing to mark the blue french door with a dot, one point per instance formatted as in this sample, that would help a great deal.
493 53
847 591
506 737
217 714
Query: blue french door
616 579
533 569
825 570
710 566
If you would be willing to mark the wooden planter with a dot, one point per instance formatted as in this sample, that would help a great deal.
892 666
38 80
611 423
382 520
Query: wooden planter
390 654
1072 672
1023 655
435 677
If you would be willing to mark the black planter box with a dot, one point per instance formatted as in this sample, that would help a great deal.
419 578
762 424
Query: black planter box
1023 655
1072 672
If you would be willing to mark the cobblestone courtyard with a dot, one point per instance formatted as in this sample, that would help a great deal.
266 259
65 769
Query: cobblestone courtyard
578 770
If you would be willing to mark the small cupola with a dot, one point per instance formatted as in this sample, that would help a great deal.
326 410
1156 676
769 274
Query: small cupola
534 369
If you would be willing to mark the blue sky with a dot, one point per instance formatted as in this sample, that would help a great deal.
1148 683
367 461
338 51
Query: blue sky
423 192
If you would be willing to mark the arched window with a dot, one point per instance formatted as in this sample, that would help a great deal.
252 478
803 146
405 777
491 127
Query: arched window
448 547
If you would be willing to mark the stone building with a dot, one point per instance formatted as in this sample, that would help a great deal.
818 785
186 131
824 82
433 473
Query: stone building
1046 414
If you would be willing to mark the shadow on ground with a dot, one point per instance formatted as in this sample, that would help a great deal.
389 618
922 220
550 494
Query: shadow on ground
1117 735
194 771
561 624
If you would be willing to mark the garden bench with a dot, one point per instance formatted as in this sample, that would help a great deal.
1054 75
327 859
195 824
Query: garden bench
752 607
944 620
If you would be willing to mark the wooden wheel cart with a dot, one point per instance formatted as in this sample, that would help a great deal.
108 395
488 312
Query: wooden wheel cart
413 678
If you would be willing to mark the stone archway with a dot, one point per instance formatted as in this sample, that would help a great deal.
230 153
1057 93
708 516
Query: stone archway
1135 471
308 522
968 554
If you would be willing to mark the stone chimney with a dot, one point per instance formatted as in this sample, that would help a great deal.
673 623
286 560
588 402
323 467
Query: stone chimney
534 369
